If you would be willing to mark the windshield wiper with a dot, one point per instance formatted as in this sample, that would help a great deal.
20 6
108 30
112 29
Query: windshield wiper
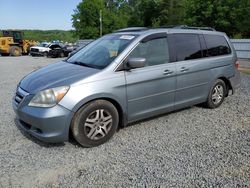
85 64
81 63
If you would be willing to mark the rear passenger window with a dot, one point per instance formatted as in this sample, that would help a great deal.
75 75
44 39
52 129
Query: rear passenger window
216 45
154 51
187 46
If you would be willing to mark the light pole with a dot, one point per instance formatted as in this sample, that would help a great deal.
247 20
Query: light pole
100 23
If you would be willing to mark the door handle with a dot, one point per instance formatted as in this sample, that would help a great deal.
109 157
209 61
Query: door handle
184 69
167 72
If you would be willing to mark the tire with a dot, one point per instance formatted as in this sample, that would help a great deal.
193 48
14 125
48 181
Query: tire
61 54
45 54
15 51
216 95
95 123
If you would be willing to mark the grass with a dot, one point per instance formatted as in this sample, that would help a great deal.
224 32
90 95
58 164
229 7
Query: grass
245 70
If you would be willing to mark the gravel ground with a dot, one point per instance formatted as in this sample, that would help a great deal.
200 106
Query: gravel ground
194 147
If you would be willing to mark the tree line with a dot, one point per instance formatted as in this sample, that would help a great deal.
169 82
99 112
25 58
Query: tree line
48 35
230 16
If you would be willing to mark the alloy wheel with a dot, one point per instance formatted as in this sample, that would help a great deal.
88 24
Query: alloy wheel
217 94
98 124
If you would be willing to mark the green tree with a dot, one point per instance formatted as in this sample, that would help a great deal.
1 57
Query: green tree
230 16
86 17
49 35
155 13
171 12
242 21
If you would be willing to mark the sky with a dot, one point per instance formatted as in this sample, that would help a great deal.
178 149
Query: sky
37 14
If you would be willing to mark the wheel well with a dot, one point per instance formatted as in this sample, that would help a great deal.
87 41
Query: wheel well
117 106
228 84
119 109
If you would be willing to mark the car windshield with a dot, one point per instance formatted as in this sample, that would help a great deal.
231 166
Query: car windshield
100 53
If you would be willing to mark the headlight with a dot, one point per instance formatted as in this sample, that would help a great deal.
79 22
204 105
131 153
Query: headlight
49 97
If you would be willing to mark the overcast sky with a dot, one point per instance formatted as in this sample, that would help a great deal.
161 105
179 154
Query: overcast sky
37 14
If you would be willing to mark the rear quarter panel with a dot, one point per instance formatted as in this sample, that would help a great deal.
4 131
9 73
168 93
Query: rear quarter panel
221 66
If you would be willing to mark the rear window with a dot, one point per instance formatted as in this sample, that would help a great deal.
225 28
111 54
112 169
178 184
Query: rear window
187 46
216 45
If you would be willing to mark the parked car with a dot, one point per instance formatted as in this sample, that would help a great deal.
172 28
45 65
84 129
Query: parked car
43 50
83 42
123 77
79 46
62 51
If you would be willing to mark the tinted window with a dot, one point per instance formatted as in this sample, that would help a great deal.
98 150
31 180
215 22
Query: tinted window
187 46
17 35
217 45
155 51
203 45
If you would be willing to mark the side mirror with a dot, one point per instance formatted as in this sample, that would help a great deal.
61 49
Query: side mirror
134 63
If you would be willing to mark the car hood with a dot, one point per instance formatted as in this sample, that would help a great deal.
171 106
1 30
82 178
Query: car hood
39 48
55 75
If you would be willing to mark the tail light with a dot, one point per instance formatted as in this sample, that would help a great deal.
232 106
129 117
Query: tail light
237 64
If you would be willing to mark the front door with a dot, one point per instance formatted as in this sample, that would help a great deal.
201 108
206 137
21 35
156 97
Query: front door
151 89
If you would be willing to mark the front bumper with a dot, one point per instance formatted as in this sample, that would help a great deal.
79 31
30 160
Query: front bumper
47 124
32 53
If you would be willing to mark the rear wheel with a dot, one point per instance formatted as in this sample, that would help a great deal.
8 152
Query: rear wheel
15 51
217 94
95 123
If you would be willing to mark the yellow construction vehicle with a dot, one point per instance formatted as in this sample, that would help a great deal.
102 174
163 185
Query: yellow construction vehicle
12 43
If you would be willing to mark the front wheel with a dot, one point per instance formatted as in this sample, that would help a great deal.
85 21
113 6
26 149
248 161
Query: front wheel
217 94
61 54
15 51
45 54
95 123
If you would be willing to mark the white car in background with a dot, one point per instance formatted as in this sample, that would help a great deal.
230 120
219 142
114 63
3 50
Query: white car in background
43 49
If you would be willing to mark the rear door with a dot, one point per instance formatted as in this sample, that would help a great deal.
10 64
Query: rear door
193 74
150 89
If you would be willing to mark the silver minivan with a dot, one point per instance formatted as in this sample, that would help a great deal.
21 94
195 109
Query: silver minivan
126 76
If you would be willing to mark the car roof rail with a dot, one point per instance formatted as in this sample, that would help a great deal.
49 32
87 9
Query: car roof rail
195 28
187 27
138 29
131 29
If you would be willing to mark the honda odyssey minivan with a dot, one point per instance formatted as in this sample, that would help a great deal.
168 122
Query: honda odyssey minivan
123 77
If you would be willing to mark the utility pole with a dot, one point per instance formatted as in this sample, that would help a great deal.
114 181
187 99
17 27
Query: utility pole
100 23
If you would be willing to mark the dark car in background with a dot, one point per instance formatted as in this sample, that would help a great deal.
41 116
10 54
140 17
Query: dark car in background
79 45
61 51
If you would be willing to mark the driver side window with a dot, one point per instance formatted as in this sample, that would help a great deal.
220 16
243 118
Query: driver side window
155 51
